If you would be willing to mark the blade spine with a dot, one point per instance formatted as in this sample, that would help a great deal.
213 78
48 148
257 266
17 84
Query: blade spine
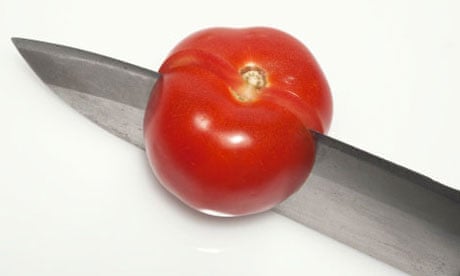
25 44
58 55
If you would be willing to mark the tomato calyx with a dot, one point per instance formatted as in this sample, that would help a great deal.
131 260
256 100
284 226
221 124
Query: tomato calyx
254 80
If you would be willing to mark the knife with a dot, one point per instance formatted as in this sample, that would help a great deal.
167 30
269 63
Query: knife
384 210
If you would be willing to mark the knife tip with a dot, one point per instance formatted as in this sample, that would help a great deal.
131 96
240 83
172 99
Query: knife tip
24 45
17 41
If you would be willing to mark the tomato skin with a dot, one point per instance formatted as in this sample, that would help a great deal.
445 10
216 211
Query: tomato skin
226 154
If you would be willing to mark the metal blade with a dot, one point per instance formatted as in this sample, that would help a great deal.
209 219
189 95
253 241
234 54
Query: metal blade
109 92
389 212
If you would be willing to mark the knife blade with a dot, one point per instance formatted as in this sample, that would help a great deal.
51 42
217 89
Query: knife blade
384 210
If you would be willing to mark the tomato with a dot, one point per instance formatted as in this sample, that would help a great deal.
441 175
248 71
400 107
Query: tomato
227 125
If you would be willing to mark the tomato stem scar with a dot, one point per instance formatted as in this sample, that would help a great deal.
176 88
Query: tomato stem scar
253 76
254 80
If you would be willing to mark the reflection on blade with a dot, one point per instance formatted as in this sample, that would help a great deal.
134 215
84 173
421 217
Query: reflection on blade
375 206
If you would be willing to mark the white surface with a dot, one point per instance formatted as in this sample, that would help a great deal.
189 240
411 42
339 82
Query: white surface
75 200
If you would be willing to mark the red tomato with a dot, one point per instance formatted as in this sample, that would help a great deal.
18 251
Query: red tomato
227 125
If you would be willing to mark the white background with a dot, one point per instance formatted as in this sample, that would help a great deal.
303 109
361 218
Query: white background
75 200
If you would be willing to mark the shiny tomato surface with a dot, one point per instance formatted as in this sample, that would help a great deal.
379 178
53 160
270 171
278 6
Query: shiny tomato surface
227 125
